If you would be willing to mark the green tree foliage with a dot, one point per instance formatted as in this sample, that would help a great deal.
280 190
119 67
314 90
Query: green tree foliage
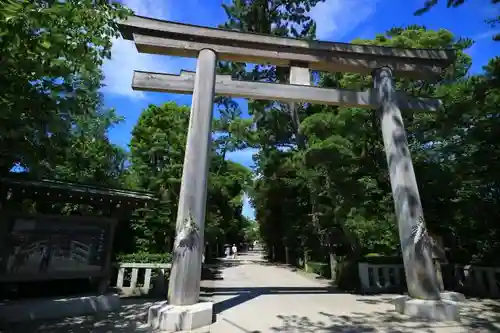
352 140
320 188
90 157
54 123
331 195
157 154
362 187
51 53
276 128
252 232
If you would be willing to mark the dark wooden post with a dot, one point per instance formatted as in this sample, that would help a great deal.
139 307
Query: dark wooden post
184 284
108 251
438 257
415 242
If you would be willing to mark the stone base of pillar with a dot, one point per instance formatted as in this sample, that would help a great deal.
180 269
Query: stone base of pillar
181 318
56 308
446 309
452 296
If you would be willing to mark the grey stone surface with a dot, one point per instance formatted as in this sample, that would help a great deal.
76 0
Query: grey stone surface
177 318
453 296
50 308
442 310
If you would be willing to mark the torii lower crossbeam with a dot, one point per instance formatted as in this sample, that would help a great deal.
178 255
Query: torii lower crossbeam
226 86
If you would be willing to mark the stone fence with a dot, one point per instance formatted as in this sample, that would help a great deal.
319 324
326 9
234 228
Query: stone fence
140 279
470 280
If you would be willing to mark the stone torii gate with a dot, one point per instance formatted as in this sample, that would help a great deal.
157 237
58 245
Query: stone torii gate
183 311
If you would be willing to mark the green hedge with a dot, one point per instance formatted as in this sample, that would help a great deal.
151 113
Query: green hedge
380 259
144 257
319 268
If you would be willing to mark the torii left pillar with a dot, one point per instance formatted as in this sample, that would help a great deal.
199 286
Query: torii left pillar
182 311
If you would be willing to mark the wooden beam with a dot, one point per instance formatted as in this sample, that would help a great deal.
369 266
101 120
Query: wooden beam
185 32
225 86
318 60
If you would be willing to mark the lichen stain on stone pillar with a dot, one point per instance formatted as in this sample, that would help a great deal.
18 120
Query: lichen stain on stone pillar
415 242
186 244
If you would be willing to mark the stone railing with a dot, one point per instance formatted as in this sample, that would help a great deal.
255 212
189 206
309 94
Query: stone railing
476 280
137 279
473 280
376 278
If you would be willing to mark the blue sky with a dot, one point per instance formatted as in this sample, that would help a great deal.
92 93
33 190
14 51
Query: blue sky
337 20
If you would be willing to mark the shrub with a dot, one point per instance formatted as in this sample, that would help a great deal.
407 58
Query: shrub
319 268
380 259
144 257
348 276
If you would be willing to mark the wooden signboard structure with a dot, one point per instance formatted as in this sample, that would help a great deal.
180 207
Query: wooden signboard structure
44 246
209 45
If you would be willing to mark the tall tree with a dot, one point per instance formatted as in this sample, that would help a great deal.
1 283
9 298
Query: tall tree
276 123
89 156
350 161
51 52
345 163
157 151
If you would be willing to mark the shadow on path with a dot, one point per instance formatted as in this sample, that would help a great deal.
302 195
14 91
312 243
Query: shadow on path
213 271
130 318
478 315
244 294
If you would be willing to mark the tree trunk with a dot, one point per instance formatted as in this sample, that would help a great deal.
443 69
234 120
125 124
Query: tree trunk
306 256
333 265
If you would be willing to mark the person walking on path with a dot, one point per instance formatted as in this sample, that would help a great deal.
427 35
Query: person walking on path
234 249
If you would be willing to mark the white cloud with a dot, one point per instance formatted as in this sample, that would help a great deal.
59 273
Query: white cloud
125 58
336 18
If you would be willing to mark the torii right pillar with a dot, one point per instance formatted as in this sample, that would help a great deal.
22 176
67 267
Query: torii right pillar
424 297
